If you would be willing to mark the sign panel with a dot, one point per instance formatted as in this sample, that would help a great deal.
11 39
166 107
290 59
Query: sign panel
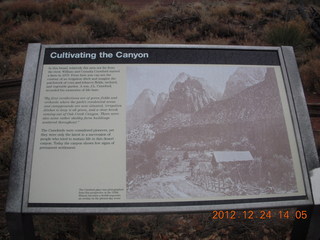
148 126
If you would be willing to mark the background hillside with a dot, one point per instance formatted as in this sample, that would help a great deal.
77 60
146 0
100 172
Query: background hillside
244 22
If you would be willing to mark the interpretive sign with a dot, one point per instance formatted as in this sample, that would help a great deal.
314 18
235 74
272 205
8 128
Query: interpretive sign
121 128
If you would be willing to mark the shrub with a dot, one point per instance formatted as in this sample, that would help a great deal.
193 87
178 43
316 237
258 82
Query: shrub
222 12
73 35
267 1
16 63
147 16
177 23
118 9
198 6
137 34
207 29
167 19
109 5
6 109
310 75
32 31
19 11
161 38
273 11
56 10
246 14
232 12
228 31
224 31
316 2
192 35
105 3
7 121
100 26
75 17
46 32
3 66
290 34
5 155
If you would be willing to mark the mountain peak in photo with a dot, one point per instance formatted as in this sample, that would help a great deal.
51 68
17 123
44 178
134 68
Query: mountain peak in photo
243 78
142 109
161 102
188 96
182 77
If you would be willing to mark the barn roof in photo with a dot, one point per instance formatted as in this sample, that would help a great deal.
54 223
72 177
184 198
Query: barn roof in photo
232 156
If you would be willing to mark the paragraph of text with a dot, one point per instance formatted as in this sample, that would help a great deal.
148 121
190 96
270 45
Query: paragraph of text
73 138
72 110
100 194
81 78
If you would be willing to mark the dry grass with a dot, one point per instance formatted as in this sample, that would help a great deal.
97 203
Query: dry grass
197 22
84 21
45 32
32 31
160 38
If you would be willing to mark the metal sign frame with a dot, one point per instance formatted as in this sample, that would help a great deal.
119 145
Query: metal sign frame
17 202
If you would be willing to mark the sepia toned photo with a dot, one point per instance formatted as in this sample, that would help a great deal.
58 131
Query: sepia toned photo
207 132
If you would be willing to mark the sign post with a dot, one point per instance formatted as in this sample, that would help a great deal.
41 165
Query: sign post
160 128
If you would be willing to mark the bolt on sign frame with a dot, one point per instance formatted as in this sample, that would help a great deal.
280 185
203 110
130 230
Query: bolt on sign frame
107 129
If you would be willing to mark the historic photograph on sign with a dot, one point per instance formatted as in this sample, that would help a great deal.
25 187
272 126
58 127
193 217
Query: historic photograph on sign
208 132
